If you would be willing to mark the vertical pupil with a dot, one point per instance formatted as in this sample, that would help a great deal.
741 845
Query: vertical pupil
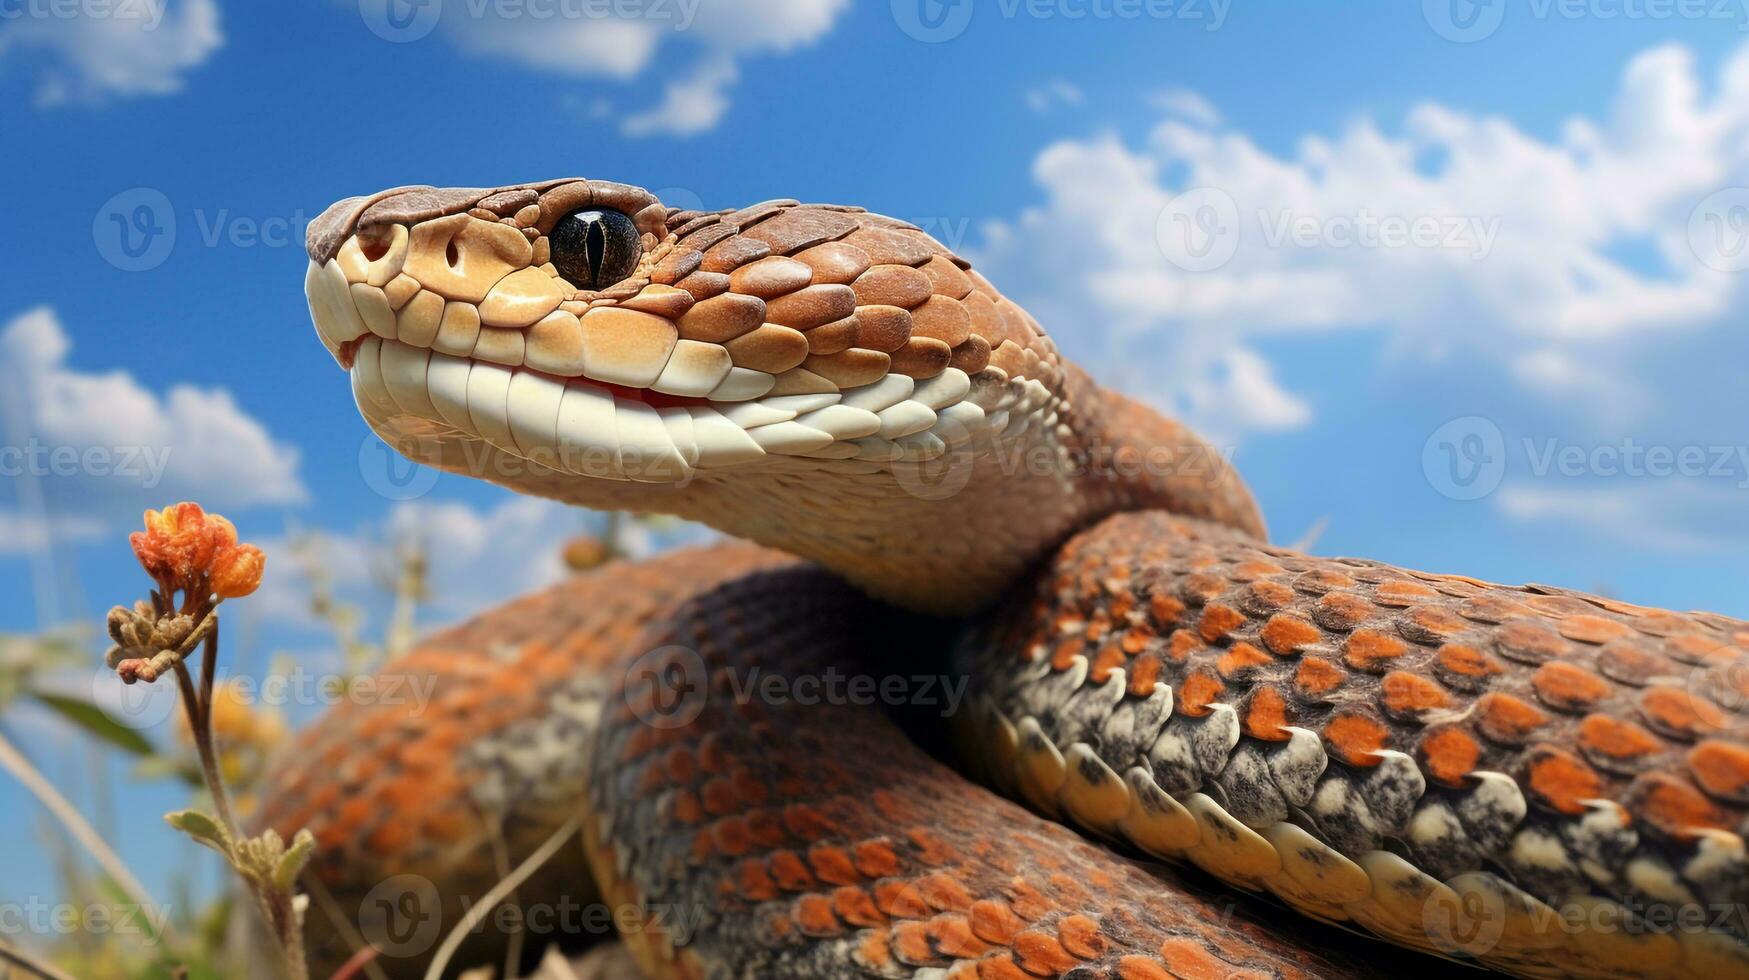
595 249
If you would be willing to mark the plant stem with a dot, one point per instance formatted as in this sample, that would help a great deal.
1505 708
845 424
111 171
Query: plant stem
25 962
76 825
199 710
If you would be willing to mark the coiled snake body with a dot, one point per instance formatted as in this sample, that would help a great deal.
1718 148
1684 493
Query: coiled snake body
1535 780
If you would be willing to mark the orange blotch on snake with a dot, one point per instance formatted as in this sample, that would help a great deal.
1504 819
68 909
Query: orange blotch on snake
1267 715
1081 937
1241 657
1410 695
1674 806
1505 718
1721 768
1371 650
856 907
1615 738
1219 620
994 922
1561 780
1467 661
1355 738
1568 687
1286 633
900 899
1317 677
1197 692
1676 710
875 859
1593 629
1448 755
815 916
1189 961
1040 954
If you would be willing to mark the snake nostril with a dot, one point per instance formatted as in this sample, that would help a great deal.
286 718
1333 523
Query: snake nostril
452 255
374 243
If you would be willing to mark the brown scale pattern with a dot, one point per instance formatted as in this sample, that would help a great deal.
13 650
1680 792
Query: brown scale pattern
385 781
825 844
815 841
1579 696
868 294
1576 698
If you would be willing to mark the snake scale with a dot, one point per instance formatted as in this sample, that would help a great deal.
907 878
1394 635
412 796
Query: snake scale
1525 778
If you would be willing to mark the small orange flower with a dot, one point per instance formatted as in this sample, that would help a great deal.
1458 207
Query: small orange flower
236 570
182 543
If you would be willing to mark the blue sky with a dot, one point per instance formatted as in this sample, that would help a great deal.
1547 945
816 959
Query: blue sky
1581 298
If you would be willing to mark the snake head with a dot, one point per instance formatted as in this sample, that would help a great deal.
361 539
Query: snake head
566 335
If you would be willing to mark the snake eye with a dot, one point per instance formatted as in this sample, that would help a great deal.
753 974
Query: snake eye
593 249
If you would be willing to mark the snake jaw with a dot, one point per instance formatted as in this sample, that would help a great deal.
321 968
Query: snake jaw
836 337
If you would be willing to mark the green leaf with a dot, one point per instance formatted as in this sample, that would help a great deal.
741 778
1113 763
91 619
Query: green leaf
94 721
291 864
203 828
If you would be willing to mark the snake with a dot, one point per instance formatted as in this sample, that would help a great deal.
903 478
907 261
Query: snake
995 673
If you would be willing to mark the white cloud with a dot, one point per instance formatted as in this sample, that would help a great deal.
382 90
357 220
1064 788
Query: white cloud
690 105
1523 264
1188 105
89 52
1676 514
695 44
1053 94
99 445
476 558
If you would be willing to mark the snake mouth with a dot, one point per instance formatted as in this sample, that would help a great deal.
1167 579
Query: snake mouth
569 422
582 325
